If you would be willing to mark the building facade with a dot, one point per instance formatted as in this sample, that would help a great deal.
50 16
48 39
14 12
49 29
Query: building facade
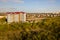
16 17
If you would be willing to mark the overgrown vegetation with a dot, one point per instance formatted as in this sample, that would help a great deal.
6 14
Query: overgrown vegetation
46 29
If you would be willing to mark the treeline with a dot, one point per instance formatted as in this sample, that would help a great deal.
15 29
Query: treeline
46 29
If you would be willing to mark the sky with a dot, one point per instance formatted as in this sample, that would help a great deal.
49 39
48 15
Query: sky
34 6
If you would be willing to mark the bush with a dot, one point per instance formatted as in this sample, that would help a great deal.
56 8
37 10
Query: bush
47 29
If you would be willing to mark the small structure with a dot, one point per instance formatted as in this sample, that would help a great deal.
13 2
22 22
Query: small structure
16 17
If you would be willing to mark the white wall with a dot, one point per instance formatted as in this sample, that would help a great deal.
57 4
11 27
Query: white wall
22 17
10 17
16 18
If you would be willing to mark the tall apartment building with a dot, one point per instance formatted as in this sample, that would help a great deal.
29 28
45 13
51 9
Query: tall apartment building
16 17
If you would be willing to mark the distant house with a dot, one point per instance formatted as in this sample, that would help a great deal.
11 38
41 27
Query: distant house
16 17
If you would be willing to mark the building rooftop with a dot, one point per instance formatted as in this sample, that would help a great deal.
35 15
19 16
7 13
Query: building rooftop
15 12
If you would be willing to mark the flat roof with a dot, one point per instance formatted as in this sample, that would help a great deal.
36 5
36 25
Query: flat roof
15 12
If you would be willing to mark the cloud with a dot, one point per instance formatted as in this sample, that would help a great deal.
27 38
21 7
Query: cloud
16 1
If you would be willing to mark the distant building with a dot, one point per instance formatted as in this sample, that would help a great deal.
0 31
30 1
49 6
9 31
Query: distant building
16 17
2 17
38 16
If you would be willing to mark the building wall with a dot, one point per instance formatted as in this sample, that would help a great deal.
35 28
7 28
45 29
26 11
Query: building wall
23 17
10 17
16 17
